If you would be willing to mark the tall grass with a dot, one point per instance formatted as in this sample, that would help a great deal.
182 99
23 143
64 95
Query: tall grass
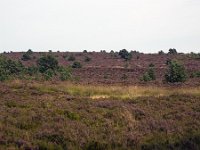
112 92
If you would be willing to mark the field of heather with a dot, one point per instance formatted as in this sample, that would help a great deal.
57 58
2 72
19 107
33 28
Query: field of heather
65 115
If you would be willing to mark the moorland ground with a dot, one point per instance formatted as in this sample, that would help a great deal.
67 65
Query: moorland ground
110 68
62 115
105 106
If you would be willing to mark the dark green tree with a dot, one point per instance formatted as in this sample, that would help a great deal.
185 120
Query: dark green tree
176 72
125 54
172 51
47 62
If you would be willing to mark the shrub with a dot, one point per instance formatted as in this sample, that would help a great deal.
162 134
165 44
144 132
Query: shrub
85 51
76 65
29 52
48 74
172 51
161 52
176 72
10 68
65 73
32 70
168 61
71 58
196 74
112 52
125 54
72 115
47 62
26 57
150 74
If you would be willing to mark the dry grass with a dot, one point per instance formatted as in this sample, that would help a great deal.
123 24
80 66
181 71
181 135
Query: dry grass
107 92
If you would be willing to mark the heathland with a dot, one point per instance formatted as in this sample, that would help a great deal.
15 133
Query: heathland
99 100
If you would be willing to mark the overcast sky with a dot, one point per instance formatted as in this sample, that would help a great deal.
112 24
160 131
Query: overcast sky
75 25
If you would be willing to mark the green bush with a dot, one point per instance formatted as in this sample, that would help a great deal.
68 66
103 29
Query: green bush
125 54
150 74
176 72
47 62
10 68
48 74
76 65
196 74
65 73
32 70
146 77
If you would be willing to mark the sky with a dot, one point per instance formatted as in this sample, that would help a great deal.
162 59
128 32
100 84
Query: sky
76 25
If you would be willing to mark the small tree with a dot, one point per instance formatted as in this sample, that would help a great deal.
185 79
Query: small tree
176 72
47 62
172 51
30 51
150 74
161 52
125 54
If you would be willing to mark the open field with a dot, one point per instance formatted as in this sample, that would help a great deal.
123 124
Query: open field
65 115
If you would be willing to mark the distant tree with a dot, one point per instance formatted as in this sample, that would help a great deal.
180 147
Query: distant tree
112 52
176 72
125 54
47 62
29 52
84 51
161 52
103 51
172 51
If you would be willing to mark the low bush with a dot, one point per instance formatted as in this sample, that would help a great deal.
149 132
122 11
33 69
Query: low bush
76 65
26 57
9 68
65 73
150 74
